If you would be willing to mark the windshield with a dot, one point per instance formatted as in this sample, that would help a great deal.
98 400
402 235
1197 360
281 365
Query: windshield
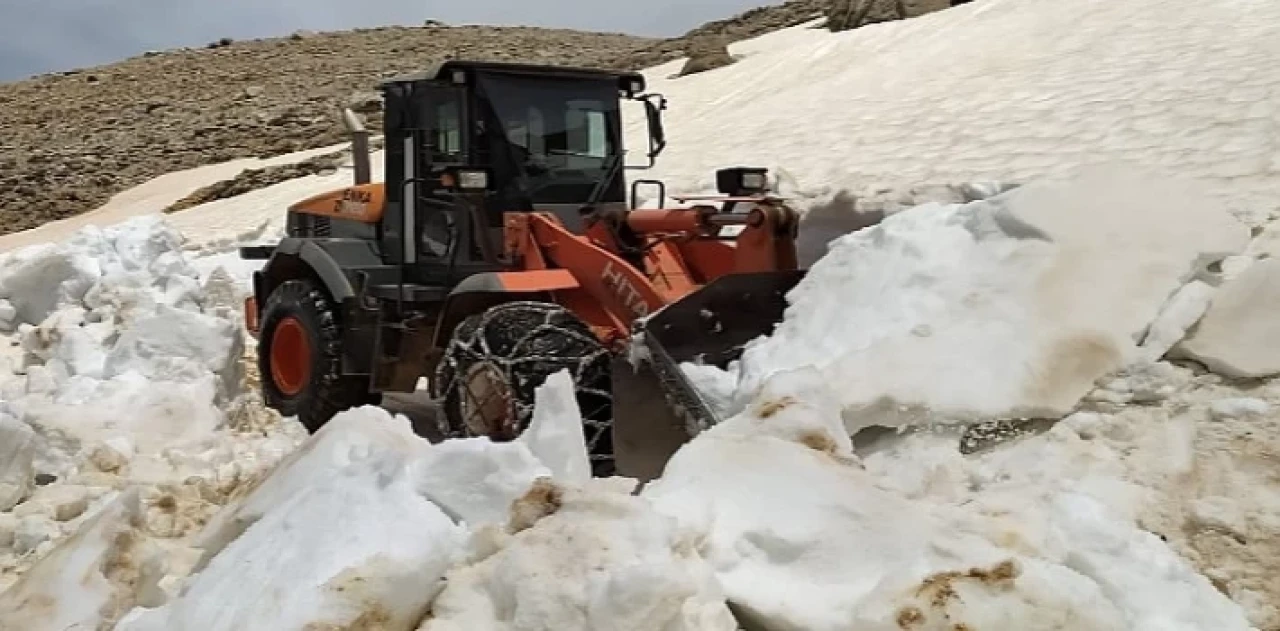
558 136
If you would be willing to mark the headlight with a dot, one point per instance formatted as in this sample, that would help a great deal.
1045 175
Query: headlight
473 180
753 181
742 180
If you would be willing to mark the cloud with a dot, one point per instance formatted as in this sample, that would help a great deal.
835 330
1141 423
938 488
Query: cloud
49 35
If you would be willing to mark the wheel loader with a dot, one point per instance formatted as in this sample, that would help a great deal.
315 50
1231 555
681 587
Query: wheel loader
503 245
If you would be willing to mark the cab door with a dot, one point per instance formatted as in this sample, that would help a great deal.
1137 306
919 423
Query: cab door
424 135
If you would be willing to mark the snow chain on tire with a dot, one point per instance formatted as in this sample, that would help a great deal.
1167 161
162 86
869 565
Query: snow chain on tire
528 342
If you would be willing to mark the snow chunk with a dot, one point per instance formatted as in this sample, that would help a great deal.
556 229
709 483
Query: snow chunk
1238 408
178 346
554 435
91 578
1007 307
337 537
17 447
1239 335
144 252
154 415
8 315
37 280
592 559
474 481
1183 310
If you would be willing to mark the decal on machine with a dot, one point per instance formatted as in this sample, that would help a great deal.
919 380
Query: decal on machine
624 290
353 201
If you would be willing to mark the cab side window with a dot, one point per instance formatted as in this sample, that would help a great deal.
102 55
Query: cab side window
444 132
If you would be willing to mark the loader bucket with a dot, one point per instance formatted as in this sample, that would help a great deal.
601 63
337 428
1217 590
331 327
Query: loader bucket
656 408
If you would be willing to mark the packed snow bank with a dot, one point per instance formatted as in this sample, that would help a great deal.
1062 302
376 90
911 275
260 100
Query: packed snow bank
1178 453
851 552
357 528
1011 306
128 373
116 342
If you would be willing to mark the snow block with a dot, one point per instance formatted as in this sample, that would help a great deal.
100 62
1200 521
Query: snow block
90 579
1239 335
17 447
554 435
1006 307
178 345
336 537
584 559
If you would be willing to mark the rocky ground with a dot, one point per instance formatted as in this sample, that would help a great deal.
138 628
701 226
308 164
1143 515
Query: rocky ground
75 138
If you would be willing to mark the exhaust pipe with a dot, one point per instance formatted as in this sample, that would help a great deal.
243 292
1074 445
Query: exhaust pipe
359 145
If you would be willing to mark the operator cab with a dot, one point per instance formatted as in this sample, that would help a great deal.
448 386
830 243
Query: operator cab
467 142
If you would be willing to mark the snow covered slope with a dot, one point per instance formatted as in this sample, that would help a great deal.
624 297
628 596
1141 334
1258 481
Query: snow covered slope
1003 90
151 197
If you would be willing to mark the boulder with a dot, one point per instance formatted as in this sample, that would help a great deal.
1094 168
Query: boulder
707 54
850 14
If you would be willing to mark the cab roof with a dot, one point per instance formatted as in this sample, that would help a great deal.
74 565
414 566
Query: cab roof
630 82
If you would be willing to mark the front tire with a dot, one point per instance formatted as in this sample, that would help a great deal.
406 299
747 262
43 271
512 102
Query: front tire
300 357
496 360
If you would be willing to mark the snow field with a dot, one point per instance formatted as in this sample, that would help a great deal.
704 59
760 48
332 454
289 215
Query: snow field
997 90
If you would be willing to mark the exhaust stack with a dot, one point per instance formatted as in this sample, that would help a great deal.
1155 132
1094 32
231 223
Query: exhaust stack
359 145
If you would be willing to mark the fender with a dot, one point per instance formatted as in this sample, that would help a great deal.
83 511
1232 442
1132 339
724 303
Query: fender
479 292
319 260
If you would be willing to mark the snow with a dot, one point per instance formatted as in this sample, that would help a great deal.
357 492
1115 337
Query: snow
16 447
347 493
125 376
553 435
594 558
152 197
1007 307
851 553
91 579
1239 336
213 227
154 492
996 90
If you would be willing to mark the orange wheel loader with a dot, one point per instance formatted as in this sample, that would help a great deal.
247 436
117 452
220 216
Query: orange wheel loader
502 246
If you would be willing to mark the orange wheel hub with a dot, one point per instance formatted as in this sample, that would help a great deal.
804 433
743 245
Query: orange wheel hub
290 356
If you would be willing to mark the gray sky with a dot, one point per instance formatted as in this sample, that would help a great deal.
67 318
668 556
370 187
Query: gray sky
38 36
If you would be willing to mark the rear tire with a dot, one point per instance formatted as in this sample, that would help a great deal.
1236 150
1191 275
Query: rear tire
496 360
300 357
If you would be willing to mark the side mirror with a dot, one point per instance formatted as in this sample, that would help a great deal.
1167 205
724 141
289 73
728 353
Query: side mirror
653 106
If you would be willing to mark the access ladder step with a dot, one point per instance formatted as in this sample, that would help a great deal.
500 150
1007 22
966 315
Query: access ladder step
408 292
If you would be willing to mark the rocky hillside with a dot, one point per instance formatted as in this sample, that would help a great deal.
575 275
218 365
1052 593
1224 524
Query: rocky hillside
75 138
